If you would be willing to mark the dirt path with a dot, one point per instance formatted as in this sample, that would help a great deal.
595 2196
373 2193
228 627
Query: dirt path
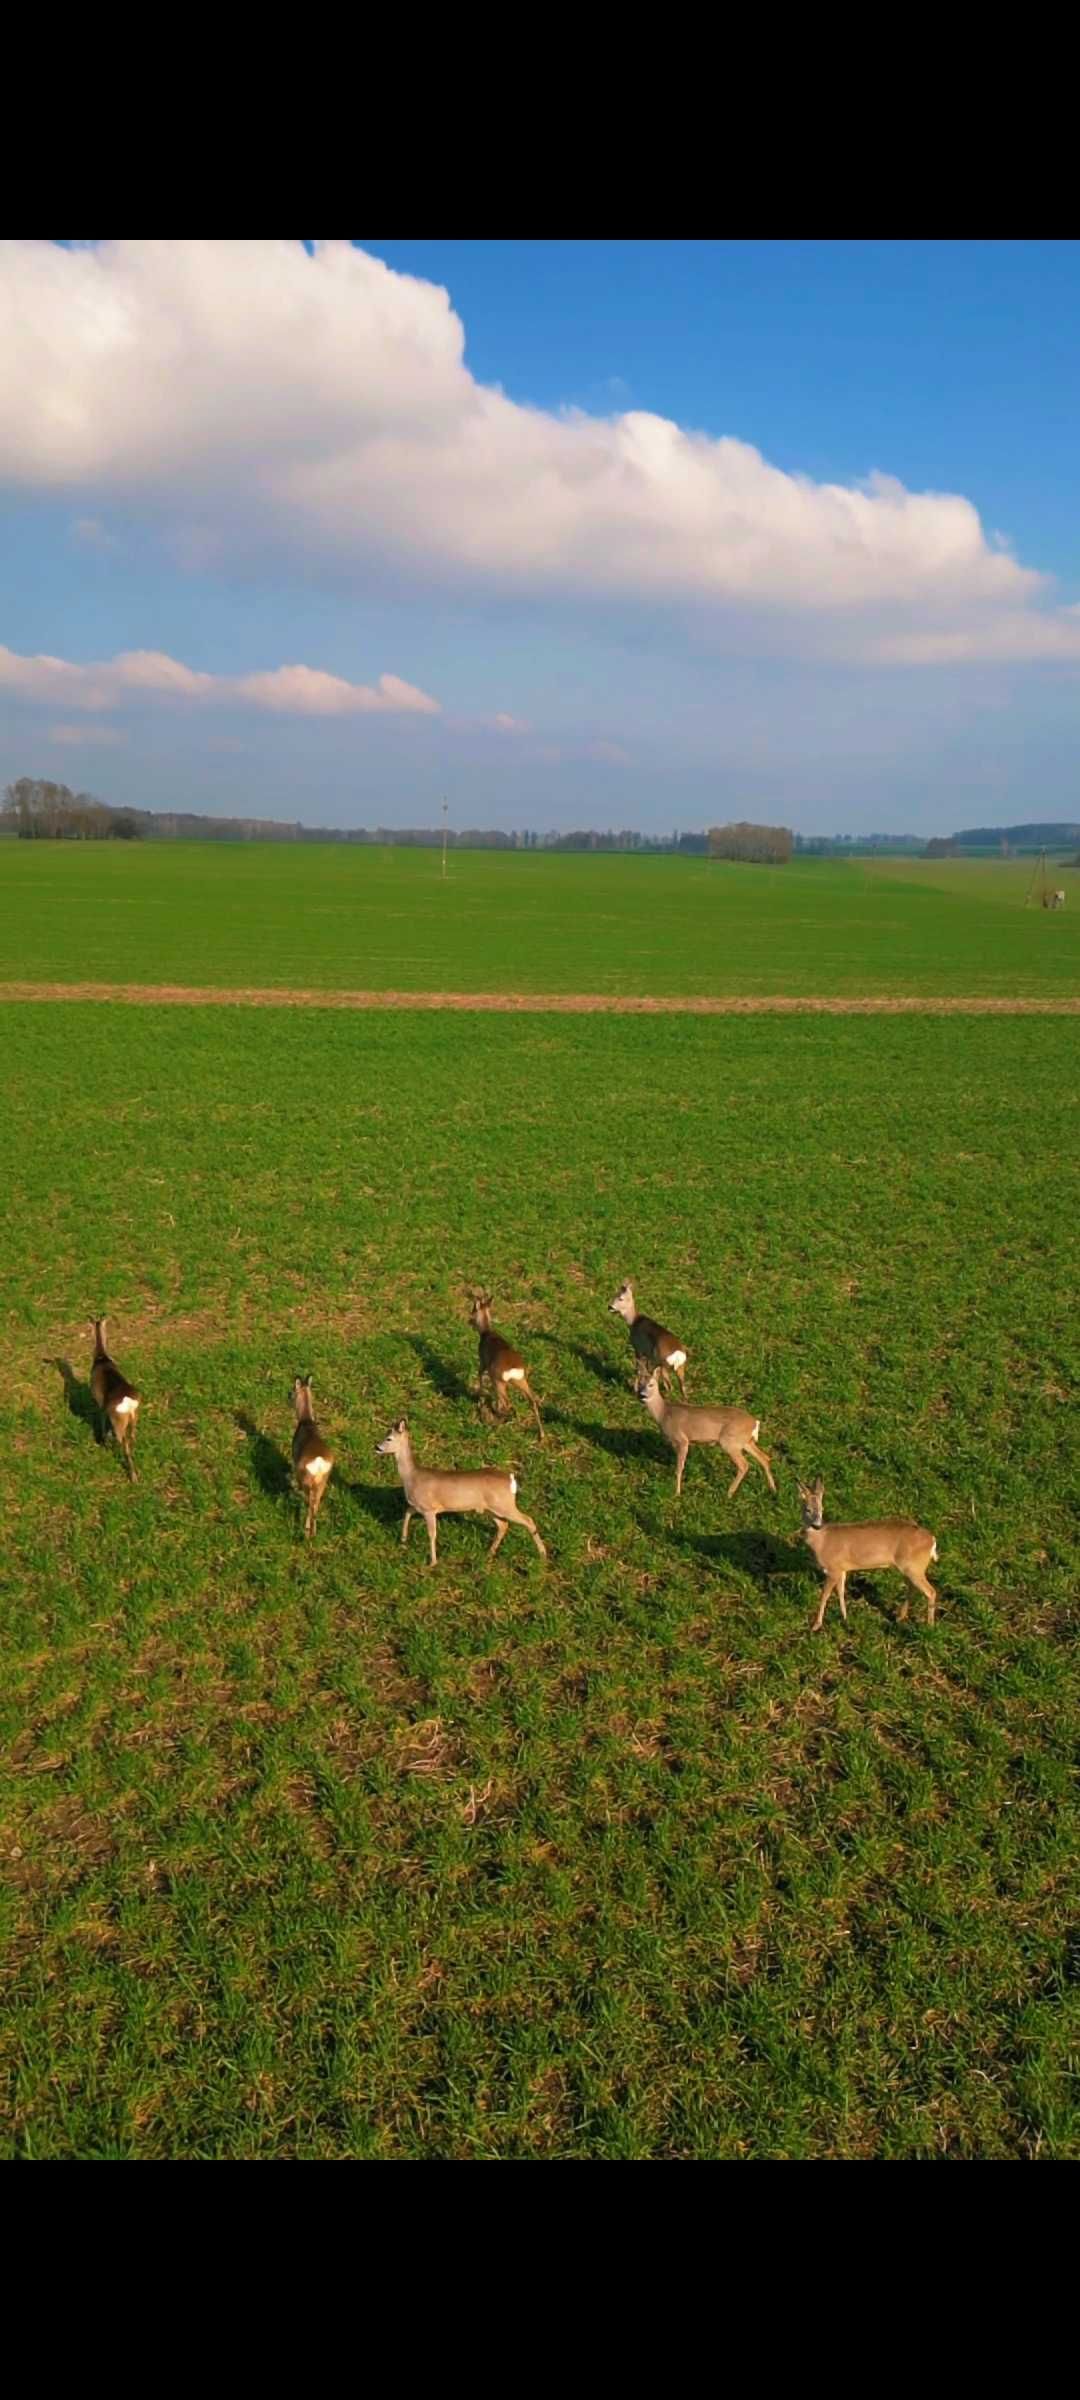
569 1004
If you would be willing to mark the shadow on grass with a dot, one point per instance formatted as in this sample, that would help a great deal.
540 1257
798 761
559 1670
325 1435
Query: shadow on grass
448 1382
620 1441
78 1397
592 1359
385 1502
269 1465
763 1556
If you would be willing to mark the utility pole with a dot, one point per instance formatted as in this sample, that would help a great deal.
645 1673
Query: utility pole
444 809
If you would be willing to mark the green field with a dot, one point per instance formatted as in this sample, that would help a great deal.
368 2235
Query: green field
314 1853
382 919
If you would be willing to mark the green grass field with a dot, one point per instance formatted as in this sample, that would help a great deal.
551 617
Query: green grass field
313 1853
382 919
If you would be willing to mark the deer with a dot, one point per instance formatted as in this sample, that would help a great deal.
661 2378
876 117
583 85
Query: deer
313 1460
652 1345
843 1550
503 1366
118 1402
734 1429
431 1492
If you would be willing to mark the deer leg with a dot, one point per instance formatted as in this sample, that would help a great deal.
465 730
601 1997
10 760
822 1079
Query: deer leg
764 1462
431 1521
519 1518
929 1594
502 1401
681 1456
535 1406
742 1466
500 1535
405 1527
131 1467
681 1373
316 1504
830 1586
840 1591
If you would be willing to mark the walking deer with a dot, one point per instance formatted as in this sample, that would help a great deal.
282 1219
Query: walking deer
652 1345
734 1429
503 1366
843 1550
431 1493
313 1460
117 1400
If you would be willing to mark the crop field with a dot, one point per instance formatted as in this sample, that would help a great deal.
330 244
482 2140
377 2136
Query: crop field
312 1851
320 917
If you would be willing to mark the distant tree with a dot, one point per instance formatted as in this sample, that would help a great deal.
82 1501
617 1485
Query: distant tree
759 845
941 846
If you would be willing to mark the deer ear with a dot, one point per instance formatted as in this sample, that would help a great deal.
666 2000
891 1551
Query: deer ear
819 1487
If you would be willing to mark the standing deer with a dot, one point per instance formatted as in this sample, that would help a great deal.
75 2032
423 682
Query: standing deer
117 1400
313 1460
431 1493
734 1429
651 1344
843 1550
503 1366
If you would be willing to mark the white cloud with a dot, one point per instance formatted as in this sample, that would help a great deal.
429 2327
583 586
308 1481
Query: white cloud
247 393
136 676
82 737
503 723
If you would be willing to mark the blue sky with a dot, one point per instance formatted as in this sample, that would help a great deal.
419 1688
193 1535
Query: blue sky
601 517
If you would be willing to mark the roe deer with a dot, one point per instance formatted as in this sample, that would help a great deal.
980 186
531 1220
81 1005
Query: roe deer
651 1344
843 1550
734 1429
117 1400
502 1365
431 1493
313 1460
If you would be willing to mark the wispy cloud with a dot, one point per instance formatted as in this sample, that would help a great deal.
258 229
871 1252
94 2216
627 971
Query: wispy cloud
139 676
82 737
246 393
88 533
507 724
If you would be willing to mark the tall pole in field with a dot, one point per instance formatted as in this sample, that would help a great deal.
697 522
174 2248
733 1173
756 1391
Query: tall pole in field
444 809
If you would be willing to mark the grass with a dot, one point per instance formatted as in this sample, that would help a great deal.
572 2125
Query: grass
370 919
313 1853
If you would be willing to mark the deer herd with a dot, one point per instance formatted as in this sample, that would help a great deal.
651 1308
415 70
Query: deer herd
433 1492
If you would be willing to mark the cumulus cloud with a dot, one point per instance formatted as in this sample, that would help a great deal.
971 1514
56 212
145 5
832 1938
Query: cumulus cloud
136 676
247 392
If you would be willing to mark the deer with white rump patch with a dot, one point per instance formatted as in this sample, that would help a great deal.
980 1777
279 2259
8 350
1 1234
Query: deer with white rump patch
313 1460
503 1366
652 1345
431 1493
117 1399
734 1429
843 1550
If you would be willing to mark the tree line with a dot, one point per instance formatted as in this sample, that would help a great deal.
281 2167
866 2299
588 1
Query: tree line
48 812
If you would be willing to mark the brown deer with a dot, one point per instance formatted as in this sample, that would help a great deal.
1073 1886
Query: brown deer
503 1366
734 1429
843 1550
117 1400
313 1460
652 1345
432 1493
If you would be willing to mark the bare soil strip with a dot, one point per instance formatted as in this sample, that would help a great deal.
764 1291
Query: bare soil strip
567 1004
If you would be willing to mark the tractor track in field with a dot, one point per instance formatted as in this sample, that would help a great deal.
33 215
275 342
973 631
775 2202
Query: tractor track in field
567 1004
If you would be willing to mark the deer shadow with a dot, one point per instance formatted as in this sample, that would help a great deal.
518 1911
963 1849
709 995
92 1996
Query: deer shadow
620 1441
269 1465
448 1381
79 1398
763 1556
597 1365
384 1502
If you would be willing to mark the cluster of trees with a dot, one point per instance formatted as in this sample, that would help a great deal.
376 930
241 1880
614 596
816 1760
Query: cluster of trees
761 845
48 812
